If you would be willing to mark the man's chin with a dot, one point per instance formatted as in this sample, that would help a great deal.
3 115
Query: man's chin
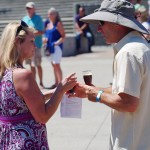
30 57
108 42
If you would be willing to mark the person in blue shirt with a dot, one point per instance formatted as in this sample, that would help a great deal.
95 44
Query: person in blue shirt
82 29
54 38
35 21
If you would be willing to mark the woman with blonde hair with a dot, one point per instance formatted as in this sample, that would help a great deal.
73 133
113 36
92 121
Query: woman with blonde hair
54 37
23 108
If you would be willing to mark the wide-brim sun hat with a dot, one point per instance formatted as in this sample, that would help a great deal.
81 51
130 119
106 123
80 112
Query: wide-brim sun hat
121 12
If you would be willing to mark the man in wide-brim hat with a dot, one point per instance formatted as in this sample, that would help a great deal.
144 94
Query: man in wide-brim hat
129 96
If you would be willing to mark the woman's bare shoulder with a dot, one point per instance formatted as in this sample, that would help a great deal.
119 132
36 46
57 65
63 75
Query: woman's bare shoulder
22 73
23 79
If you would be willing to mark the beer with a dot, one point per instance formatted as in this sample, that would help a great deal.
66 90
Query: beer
87 76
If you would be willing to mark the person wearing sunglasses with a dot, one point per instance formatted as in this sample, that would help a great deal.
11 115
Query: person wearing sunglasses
35 21
24 110
129 95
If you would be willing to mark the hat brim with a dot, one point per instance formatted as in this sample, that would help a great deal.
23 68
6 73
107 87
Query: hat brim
29 7
115 18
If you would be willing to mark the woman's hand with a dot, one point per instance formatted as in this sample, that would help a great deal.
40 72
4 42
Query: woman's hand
68 83
45 40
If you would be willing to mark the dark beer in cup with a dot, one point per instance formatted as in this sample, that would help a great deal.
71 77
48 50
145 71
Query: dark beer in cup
87 76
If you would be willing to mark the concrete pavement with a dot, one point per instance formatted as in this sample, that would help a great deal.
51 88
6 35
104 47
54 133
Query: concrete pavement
91 132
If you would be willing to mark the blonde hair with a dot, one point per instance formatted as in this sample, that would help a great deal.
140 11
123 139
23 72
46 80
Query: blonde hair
9 54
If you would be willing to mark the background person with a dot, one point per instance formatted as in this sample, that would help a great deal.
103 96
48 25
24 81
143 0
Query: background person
23 111
143 18
129 96
46 50
82 29
54 38
35 21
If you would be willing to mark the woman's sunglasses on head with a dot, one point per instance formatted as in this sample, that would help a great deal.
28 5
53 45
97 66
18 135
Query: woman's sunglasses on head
22 26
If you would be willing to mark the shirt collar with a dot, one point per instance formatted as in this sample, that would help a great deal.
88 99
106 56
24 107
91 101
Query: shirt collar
32 16
117 46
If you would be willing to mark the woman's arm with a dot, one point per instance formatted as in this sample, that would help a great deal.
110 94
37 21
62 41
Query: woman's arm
61 30
27 88
48 94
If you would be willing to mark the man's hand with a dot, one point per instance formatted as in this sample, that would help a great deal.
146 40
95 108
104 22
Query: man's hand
81 32
79 91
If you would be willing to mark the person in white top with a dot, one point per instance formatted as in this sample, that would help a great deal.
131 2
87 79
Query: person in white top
129 96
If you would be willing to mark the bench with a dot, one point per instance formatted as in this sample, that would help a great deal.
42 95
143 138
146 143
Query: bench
69 46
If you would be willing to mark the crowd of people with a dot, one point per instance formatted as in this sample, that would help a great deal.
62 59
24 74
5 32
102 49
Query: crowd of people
24 110
50 35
